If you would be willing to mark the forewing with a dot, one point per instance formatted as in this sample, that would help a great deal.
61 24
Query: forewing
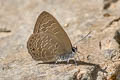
48 24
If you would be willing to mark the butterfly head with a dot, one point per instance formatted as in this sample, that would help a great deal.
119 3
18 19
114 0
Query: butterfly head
74 49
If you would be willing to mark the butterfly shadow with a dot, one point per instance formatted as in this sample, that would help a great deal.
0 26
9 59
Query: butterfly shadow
97 66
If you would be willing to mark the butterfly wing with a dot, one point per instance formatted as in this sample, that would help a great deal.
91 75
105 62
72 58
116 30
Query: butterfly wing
48 24
45 47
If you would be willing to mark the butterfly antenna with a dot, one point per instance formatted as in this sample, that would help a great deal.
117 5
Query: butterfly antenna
82 38
79 41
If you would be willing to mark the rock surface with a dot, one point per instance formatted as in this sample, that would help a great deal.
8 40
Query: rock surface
99 51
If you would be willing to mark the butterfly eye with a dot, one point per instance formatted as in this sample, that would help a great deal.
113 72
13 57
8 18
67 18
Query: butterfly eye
74 49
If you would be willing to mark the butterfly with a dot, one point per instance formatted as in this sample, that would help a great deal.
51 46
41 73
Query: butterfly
49 42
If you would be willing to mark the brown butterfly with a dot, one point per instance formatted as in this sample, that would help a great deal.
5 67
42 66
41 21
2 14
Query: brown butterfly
49 42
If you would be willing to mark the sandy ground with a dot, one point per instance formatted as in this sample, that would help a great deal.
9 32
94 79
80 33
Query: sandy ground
99 51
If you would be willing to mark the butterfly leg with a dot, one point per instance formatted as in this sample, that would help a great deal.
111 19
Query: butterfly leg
56 62
78 55
73 60
68 61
